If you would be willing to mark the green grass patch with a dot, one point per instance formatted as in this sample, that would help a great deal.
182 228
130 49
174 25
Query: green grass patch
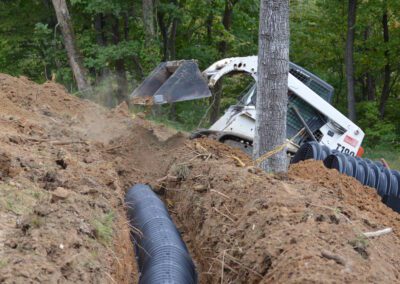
392 156
103 227
3 263
20 201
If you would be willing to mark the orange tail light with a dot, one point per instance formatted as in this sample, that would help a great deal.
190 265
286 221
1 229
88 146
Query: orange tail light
360 152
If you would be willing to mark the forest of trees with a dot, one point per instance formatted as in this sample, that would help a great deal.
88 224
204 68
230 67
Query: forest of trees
352 44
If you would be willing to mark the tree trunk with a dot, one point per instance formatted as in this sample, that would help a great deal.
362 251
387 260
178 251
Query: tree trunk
172 39
139 74
387 71
227 23
122 81
215 100
148 19
164 35
74 57
99 28
222 48
209 23
368 80
101 41
349 59
370 87
272 85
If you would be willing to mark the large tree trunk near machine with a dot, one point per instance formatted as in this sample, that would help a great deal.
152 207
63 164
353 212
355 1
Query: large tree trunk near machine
148 19
349 59
387 71
272 85
74 56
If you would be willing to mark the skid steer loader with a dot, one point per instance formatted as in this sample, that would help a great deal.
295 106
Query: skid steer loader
310 117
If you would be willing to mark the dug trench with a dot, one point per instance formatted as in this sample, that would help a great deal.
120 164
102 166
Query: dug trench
65 164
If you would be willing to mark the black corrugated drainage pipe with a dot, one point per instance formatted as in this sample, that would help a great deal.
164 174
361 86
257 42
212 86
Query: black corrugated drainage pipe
373 174
161 254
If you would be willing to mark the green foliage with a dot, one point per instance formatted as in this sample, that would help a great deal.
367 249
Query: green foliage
188 115
390 154
377 130
31 44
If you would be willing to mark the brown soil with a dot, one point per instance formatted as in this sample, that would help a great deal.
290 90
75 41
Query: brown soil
65 164
60 198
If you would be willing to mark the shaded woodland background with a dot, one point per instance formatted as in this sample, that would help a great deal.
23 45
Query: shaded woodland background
121 41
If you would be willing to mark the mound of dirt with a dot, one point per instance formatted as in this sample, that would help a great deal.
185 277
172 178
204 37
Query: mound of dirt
246 226
60 198
65 164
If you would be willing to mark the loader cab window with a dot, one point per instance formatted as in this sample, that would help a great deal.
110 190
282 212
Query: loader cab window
249 99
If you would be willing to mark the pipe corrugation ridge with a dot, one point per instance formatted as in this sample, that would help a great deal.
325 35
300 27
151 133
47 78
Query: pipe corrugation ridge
161 254
367 172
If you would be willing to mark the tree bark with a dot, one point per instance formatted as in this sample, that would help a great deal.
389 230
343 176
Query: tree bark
209 23
272 85
164 35
99 23
368 80
349 59
172 39
215 100
222 48
139 74
74 56
99 28
148 19
227 23
387 70
370 87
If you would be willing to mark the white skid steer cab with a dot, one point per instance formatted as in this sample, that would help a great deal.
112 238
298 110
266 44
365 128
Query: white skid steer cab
310 117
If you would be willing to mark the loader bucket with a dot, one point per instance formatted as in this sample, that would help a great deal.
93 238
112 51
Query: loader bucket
172 81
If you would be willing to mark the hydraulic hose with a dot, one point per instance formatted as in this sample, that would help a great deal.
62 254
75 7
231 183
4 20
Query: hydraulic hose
161 254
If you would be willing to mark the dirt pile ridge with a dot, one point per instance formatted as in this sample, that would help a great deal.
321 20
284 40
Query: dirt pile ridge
65 164
60 200
247 226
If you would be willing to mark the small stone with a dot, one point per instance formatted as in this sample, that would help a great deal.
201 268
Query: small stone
42 210
85 229
89 159
16 139
89 190
11 243
200 188
60 194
